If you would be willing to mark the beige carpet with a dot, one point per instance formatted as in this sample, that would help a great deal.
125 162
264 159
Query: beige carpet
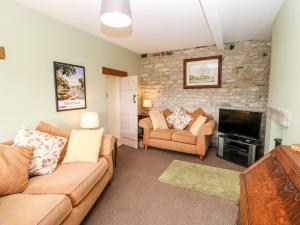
211 180
136 197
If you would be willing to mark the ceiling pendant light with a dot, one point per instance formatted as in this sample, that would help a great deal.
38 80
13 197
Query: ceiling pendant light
116 13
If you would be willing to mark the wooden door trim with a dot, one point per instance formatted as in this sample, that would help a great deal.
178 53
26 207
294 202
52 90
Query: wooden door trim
2 52
113 72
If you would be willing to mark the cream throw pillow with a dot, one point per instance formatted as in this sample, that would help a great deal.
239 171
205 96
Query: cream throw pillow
158 121
84 146
200 121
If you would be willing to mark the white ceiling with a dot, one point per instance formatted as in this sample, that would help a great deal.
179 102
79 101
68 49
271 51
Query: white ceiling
160 25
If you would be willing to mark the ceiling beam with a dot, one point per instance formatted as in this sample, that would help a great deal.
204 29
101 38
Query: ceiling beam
113 72
210 11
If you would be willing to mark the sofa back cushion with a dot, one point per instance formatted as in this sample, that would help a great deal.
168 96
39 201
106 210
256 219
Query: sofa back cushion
47 128
168 113
195 114
14 166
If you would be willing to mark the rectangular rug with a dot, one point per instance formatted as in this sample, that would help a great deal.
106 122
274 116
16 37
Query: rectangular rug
206 179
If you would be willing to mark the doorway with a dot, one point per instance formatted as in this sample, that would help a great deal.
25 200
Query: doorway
122 109
113 106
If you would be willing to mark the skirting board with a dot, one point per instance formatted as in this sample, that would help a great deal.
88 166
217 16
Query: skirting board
129 142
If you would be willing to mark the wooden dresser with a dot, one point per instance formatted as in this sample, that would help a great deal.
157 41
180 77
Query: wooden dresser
270 189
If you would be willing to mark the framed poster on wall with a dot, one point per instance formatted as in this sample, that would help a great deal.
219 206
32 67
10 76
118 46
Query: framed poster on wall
205 72
70 88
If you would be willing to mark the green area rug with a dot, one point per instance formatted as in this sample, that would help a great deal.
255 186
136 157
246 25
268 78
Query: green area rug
206 179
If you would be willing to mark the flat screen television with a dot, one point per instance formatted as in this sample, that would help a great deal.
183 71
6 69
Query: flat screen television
240 123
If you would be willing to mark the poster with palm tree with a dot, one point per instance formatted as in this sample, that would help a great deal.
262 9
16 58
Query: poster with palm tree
69 86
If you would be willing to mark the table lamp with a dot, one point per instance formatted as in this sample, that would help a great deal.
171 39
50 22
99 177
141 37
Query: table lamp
147 104
89 120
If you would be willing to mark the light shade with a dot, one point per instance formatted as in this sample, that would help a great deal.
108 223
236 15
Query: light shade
89 120
116 13
147 103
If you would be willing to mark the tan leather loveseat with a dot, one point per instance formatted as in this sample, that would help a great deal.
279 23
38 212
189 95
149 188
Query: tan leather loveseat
63 197
182 141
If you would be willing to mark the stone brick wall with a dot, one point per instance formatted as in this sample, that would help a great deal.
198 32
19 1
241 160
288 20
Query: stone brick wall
245 79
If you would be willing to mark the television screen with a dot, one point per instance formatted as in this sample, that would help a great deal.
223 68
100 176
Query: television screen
240 123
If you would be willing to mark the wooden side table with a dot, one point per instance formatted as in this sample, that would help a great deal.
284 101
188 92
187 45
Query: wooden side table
115 152
140 129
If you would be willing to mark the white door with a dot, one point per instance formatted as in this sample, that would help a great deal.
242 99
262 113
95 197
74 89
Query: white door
113 105
129 111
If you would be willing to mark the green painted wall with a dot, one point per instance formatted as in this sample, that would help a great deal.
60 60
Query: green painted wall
33 41
284 90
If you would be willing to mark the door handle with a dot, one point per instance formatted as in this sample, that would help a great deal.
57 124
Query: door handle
134 98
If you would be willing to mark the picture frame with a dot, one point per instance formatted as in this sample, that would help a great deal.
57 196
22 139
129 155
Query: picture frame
70 86
204 72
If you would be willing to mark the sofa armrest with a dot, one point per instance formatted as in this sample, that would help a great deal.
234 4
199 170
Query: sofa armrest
106 149
8 142
208 128
146 123
107 145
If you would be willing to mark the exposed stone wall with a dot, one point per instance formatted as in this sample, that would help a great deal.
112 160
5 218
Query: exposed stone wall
245 79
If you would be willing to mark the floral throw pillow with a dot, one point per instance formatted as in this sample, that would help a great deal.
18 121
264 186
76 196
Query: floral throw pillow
46 149
180 119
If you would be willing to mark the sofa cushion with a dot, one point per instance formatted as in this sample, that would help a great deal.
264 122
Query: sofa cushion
25 209
197 125
168 113
48 128
84 146
14 166
158 120
73 179
184 136
46 149
195 114
165 134
180 119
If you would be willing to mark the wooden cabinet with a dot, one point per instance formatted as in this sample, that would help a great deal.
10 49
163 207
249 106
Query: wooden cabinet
270 189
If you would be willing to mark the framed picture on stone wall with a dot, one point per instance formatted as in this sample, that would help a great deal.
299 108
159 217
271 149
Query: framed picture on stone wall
69 86
205 72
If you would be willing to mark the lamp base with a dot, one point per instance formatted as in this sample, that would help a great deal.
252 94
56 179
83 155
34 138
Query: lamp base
95 128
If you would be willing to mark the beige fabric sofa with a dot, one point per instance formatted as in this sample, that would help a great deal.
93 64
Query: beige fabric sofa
182 141
64 197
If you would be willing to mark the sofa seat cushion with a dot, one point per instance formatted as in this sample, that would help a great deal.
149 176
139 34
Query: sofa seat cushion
26 209
184 136
165 134
72 179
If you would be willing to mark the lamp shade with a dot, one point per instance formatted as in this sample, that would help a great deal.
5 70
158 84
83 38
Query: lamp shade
147 103
116 13
89 120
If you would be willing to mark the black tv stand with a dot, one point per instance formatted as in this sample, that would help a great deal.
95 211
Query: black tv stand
237 149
